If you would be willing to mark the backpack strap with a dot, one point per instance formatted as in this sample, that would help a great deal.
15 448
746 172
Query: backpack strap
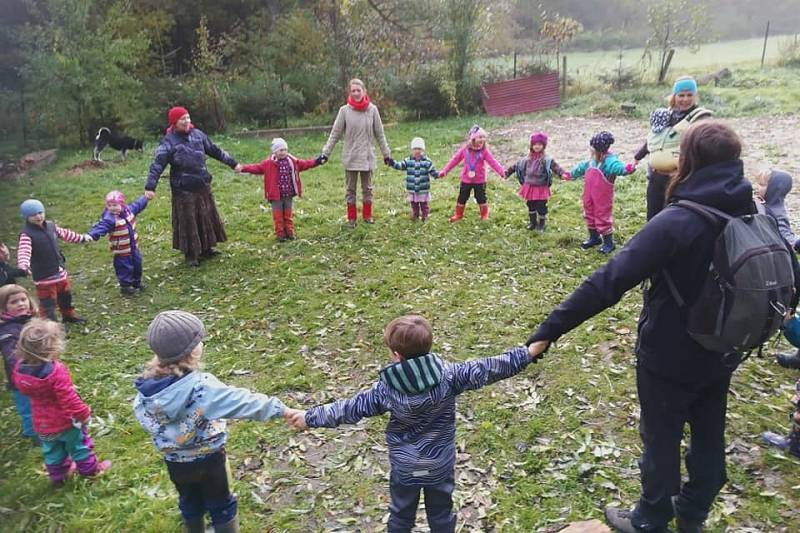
698 113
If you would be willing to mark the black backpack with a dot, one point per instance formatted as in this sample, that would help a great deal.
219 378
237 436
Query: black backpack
749 285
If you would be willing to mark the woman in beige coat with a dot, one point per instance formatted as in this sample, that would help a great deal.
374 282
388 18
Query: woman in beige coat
359 123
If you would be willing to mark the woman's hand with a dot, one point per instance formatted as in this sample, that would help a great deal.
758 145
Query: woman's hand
537 349
238 167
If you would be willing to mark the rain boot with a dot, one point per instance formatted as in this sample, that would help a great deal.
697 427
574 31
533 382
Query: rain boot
608 244
277 222
366 213
47 309
288 224
352 215
593 240
68 314
459 214
194 525
789 360
484 211
532 224
542 223
228 527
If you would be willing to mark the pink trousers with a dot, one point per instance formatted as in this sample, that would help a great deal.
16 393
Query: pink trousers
598 201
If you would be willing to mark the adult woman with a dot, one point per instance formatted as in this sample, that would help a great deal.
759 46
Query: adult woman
683 111
678 380
360 123
196 225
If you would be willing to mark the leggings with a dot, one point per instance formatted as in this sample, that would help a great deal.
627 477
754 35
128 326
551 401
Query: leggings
467 188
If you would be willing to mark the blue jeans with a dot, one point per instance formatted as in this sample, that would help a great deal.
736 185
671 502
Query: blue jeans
438 506
23 405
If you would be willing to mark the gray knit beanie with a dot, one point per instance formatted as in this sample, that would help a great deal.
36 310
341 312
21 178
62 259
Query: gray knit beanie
173 335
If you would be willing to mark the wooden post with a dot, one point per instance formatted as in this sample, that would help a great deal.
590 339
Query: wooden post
563 76
515 64
764 51
665 67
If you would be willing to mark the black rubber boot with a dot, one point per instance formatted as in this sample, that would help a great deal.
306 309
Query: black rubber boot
542 223
532 217
593 240
49 306
195 525
230 527
68 315
608 244
789 360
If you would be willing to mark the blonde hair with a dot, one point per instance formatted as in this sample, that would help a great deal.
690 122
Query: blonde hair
41 341
7 291
156 368
356 81
671 97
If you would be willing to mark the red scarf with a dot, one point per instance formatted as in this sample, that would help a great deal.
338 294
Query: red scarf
359 106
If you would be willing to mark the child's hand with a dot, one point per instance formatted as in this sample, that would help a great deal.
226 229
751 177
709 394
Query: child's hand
537 349
566 176
296 418
88 238
389 161
320 160
238 167
629 168
435 174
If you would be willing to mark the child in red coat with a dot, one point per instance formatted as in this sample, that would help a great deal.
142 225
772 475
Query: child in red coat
281 183
60 417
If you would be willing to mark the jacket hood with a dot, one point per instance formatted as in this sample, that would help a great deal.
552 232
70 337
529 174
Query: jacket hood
166 396
33 378
722 186
413 376
778 186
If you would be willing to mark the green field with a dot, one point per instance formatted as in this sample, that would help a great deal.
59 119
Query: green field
303 321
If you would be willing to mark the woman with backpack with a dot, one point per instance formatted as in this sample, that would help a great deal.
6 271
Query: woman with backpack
679 381
662 143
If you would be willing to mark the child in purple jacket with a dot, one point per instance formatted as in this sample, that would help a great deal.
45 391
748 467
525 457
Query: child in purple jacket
119 222
419 389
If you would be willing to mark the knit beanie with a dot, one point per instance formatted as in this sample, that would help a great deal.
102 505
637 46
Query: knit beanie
31 207
175 114
115 197
475 132
539 137
659 119
602 141
278 143
418 142
172 335
684 84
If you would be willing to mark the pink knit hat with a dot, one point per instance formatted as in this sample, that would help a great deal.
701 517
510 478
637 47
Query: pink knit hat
539 137
115 197
476 131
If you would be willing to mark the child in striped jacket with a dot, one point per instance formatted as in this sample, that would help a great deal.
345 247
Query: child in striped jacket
38 253
419 171
118 221
419 389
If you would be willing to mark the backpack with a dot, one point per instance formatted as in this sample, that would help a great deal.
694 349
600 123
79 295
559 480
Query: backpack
548 164
664 146
749 285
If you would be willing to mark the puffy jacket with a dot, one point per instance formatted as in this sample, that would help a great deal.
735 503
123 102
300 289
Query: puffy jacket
185 415
54 402
121 229
10 328
418 173
269 169
475 159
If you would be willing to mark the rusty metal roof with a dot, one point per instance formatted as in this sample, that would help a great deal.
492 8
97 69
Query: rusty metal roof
522 95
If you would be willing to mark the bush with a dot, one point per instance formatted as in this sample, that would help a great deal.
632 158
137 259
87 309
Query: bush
427 94
264 100
789 52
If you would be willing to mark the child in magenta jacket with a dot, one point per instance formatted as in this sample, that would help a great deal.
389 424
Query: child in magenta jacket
475 154
282 182
60 417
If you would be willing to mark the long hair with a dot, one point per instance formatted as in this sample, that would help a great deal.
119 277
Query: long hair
706 143
7 291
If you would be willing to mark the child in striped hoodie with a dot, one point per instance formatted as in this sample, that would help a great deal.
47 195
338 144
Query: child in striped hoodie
39 254
419 171
119 222
419 389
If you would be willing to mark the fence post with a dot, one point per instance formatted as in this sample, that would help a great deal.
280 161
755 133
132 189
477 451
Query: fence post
515 64
665 67
764 51
563 76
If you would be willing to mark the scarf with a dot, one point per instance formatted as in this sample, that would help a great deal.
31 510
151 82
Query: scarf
5 316
359 106
536 161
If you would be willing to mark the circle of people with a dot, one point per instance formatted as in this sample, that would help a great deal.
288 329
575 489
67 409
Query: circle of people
184 410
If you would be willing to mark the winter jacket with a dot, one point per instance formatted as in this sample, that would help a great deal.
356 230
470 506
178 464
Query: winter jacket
611 167
54 402
9 336
38 251
360 130
778 186
420 394
269 169
121 229
681 242
185 153
476 158
9 274
538 172
418 173
185 415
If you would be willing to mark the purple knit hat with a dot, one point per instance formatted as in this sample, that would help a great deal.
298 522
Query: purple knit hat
539 137
476 131
602 141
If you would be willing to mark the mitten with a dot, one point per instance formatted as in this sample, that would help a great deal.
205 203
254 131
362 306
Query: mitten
509 171
320 160
389 161
567 176
630 167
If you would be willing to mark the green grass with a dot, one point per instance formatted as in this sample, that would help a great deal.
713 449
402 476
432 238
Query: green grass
303 321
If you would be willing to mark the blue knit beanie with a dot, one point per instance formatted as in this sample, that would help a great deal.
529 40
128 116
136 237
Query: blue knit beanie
602 141
30 207
685 84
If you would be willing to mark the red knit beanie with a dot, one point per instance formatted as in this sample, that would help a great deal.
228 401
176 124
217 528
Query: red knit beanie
175 114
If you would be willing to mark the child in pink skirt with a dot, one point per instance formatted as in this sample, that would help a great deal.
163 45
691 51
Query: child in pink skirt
475 155
535 175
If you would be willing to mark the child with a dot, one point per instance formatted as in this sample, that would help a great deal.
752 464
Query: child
419 389
475 154
281 184
16 309
8 274
184 411
419 170
60 417
535 175
791 442
39 254
598 190
119 222
772 187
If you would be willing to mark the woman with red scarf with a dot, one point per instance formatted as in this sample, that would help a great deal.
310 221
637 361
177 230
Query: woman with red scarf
360 123
196 224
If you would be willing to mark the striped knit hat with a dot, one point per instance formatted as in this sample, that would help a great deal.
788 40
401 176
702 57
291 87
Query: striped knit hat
413 376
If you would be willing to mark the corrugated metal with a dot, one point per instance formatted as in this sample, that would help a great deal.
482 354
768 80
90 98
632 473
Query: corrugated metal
523 95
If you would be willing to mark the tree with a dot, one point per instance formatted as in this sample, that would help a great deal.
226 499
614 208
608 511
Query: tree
78 70
559 30
673 23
